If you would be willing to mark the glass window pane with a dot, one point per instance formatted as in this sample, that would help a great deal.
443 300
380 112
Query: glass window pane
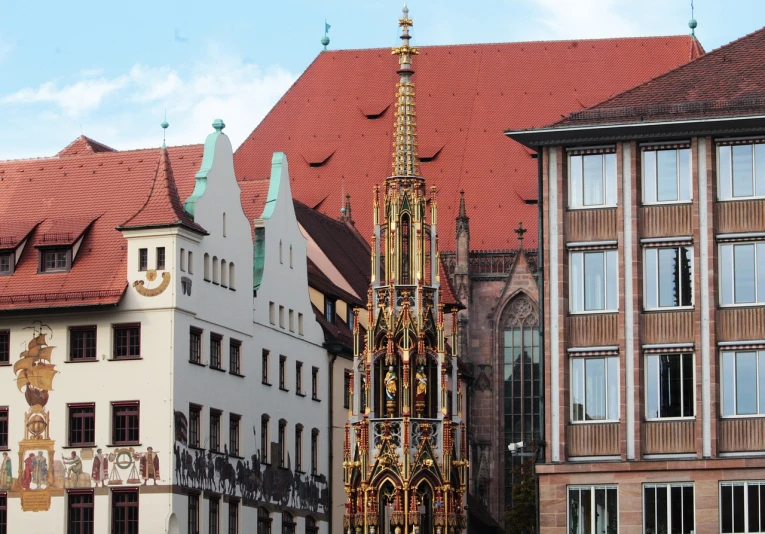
594 281
652 387
613 388
759 163
670 397
593 180
649 499
738 508
574 511
575 181
726 509
760 272
666 181
729 383
610 179
686 276
600 510
649 176
743 273
586 511
688 386
724 172
726 274
668 277
742 171
762 506
684 178
651 279
761 380
676 508
753 496
612 511
746 383
688 510
662 504
577 389
612 281
595 392
577 303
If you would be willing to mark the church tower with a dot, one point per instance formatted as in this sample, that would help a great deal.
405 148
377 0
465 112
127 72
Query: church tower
405 464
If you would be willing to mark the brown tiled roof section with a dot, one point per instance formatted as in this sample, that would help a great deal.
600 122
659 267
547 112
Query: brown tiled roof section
726 82
337 331
163 205
83 146
448 295
338 135
318 280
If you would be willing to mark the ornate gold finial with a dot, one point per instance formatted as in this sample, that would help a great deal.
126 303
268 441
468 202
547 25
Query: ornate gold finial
405 156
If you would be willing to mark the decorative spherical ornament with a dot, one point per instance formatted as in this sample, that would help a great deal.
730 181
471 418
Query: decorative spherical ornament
692 24
325 40
36 425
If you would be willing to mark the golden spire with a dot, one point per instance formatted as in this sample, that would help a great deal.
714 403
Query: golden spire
405 143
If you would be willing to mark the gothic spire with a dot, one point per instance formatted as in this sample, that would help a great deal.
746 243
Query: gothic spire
405 143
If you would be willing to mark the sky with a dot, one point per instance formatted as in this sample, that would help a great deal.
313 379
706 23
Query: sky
111 70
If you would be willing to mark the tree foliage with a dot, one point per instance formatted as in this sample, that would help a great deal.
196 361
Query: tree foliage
521 515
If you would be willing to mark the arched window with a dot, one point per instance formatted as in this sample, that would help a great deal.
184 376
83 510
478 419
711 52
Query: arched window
405 252
264 443
264 521
231 276
282 443
424 386
223 273
224 224
216 270
191 262
520 339
315 451
385 500
207 266
310 525
280 251
288 523
299 448
387 388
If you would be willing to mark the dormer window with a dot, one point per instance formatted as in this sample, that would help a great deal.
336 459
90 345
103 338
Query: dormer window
329 310
143 259
6 263
55 260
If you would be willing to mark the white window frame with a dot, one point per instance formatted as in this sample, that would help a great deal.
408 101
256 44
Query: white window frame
606 388
606 293
592 489
645 280
756 244
668 486
605 187
693 389
732 198
654 185
745 484
760 409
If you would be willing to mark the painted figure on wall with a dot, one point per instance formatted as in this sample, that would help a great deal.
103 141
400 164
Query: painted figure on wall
26 477
6 472
150 466
422 384
100 471
74 468
390 384
40 472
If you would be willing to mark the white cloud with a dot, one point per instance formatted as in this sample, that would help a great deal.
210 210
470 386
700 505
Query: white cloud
74 99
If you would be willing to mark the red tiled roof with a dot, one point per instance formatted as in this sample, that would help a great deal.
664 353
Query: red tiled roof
163 206
83 146
336 122
726 82
254 196
93 194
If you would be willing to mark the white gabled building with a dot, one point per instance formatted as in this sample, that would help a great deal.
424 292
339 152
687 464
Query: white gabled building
135 328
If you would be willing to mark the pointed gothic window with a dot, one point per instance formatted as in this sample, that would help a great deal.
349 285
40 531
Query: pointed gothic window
405 252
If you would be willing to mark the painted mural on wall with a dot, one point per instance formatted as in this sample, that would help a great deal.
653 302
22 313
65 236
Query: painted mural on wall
247 478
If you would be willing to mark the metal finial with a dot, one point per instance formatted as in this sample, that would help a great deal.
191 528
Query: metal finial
164 126
692 23
218 124
325 39
519 232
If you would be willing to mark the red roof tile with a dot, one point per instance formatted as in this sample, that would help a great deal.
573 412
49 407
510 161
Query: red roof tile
68 194
83 146
335 123
254 195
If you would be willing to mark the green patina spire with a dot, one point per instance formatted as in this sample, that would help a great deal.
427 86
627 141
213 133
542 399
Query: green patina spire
325 39
692 23
207 161
164 125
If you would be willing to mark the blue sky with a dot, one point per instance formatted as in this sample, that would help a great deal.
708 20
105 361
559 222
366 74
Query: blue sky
110 69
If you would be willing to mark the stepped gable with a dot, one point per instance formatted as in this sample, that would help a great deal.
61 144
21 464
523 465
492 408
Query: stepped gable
82 198
339 135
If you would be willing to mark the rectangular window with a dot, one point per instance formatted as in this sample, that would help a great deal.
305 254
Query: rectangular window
5 347
3 513
79 512
314 452
742 273
233 517
594 281
193 513
299 448
669 386
666 175
233 434
743 382
195 420
742 507
214 430
214 523
283 373
299 378
668 277
183 259
347 377
271 313
264 420
282 443
329 310
592 180
160 258
281 316
234 356
3 427
668 508
55 260
215 342
143 259
300 323
593 509
125 511
315 383
125 423
292 321
195 345
82 425
6 263
741 171
595 389
82 343
264 366
127 341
